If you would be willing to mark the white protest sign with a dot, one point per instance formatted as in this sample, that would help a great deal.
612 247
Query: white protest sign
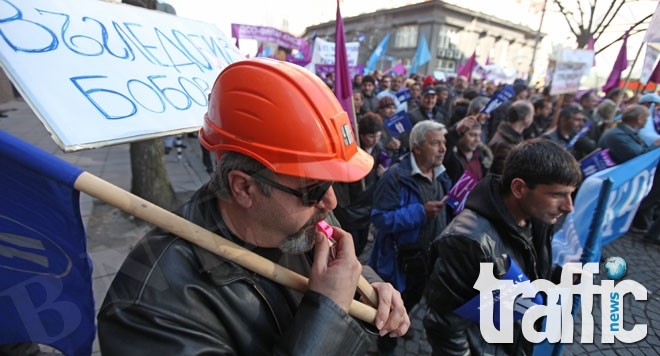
566 78
324 52
579 55
98 73
650 59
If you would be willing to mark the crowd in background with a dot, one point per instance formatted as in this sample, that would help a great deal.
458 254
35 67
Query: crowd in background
388 202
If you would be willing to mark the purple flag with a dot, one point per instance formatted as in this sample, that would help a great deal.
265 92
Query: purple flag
343 86
655 76
620 65
468 67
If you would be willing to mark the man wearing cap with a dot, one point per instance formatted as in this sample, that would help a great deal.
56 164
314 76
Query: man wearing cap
271 187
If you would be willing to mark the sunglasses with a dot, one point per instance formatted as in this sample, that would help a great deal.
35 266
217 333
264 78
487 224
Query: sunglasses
310 195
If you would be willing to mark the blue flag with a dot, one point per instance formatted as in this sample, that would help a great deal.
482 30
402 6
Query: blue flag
46 286
422 55
377 54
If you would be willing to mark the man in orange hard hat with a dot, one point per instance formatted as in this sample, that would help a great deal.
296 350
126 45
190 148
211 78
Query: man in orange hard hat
281 139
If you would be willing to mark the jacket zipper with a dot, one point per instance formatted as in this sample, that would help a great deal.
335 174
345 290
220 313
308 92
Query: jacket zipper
270 307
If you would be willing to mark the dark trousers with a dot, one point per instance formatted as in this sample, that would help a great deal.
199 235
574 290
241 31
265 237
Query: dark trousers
646 212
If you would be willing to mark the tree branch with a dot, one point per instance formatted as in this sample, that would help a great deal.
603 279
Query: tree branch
603 24
566 17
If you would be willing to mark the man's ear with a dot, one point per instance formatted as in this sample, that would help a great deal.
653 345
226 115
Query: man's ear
241 188
518 187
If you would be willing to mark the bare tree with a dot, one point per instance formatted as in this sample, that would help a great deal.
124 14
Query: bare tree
583 22
149 176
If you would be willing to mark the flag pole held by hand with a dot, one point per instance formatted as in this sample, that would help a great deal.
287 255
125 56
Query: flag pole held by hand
134 205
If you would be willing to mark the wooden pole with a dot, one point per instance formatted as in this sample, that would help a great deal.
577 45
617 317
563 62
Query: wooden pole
134 205
625 85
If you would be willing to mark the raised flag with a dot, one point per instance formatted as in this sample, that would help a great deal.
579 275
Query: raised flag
46 286
422 55
468 67
343 84
377 54
620 64
653 31
650 68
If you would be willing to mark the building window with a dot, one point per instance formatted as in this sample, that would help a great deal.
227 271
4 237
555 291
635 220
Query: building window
406 37
447 37
446 65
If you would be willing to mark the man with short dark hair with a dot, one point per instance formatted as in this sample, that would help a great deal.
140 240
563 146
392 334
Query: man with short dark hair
571 121
510 132
506 218
368 95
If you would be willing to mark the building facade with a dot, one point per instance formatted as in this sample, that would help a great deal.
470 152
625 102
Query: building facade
453 34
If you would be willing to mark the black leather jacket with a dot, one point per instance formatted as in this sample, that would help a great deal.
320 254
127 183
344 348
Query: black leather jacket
174 298
483 232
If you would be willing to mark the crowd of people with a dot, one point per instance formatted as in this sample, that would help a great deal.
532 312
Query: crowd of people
271 187
422 246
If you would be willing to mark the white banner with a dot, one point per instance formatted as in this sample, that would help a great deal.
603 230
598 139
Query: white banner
653 31
98 73
566 78
323 52
580 56
650 60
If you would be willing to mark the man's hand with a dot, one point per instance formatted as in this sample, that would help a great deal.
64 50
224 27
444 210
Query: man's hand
433 207
391 316
335 278
395 144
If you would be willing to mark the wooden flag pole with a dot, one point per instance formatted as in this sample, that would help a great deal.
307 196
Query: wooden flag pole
134 205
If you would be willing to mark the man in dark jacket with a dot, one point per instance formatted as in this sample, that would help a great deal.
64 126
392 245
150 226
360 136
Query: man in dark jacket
171 297
408 212
510 133
510 215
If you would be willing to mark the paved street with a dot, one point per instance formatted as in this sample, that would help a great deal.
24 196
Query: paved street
112 234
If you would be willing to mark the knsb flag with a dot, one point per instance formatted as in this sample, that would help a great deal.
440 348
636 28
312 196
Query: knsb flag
377 54
422 55
343 85
46 286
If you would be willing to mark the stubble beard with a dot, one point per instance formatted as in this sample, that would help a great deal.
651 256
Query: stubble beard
303 240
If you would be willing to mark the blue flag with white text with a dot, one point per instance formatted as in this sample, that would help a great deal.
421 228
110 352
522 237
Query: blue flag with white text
46 286
631 182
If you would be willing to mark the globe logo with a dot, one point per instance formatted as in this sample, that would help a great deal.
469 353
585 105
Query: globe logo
615 268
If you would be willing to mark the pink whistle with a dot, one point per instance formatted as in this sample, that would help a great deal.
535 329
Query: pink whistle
326 229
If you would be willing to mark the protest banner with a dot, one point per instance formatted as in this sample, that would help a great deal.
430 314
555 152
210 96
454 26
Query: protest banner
121 73
628 184
580 56
566 77
323 57
268 34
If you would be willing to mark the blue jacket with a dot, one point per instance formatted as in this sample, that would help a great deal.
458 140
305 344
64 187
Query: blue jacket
398 214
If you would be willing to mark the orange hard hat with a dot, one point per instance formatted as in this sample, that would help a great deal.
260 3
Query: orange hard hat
285 117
